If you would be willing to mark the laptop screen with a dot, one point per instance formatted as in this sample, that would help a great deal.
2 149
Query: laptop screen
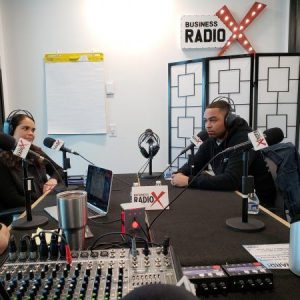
98 187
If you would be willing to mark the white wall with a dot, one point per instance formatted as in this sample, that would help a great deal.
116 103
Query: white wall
138 38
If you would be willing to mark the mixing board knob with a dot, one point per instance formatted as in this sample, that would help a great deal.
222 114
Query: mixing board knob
65 272
20 275
99 270
62 281
241 284
88 271
213 287
31 274
7 275
268 282
259 282
54 273
222 286
250 283
76 272
204 287
109 271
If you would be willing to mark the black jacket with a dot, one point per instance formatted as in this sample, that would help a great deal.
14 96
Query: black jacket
228 168
11 177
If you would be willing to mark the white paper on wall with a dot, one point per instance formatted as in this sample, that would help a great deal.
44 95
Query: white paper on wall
75 97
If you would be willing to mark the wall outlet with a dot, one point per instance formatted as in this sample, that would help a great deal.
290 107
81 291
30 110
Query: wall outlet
112 130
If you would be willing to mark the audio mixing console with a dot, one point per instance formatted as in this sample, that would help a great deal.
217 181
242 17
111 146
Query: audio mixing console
97 274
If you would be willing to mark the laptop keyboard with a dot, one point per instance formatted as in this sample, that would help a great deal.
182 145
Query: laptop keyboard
92 213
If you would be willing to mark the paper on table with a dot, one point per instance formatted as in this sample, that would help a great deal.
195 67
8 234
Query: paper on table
272 256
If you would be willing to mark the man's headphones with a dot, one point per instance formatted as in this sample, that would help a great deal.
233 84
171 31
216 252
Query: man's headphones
231 115
150 138
7 126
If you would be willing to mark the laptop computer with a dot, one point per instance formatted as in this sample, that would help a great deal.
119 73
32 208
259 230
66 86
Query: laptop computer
98 188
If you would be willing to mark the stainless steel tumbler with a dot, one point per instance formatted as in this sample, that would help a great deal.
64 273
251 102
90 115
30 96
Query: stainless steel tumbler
72 217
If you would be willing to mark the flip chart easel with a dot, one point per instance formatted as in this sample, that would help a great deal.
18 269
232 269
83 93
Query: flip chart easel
75 93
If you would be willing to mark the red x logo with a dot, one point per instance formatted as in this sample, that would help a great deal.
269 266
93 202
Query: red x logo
156 198
261 141
238 29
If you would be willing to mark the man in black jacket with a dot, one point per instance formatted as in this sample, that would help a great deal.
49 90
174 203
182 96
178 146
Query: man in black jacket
226 130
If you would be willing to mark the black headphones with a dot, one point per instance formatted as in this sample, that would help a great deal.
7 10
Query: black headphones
231 115
150 138
7 126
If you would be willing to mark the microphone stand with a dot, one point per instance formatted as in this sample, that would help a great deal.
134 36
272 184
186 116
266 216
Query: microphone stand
28 222
191 160
243 224
66 166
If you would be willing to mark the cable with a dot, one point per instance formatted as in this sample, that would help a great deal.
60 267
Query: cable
104 223
121 180
52 165
141 227
169 166
107 234
201 170
139 173
86 159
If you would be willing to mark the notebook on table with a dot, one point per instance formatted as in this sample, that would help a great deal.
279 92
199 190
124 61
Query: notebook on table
98 189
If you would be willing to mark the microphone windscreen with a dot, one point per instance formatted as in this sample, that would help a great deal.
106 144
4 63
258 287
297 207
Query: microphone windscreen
273 136
48 142
203 135
7 142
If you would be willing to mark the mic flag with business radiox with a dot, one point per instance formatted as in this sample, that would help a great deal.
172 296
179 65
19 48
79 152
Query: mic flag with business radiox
259 140
196 141
20 148
57 145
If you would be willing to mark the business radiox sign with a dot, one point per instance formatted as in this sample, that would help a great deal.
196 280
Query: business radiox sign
203 32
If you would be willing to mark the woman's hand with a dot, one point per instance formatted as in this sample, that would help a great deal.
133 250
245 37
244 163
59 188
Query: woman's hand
4 238
49 185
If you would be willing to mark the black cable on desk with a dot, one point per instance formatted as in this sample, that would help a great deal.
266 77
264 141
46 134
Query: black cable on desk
104 223
185 188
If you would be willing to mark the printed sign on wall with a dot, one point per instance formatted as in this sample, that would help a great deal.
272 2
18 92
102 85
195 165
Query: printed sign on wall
203 32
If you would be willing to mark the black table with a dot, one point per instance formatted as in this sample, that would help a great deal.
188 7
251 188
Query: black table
196 226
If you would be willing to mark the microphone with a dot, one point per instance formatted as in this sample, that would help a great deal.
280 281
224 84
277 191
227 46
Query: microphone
7 143
57 145
197 140
272 136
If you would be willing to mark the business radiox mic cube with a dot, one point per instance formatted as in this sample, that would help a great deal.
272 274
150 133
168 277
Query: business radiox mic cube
133 219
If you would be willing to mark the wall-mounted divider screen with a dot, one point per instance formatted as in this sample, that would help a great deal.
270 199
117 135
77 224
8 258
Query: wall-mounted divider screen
271 100
277 94
185 106
231 77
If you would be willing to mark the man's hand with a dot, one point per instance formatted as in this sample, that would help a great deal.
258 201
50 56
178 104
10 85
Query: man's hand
179 180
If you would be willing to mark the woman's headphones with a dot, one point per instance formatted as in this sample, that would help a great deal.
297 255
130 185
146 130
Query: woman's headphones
7 126
231 115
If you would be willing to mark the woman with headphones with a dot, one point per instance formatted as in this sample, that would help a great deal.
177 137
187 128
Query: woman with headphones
21 124
225 129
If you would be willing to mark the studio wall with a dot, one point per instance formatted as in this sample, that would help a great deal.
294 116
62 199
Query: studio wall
138 38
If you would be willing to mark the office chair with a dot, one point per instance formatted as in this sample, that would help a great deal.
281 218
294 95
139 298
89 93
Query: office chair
279 208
